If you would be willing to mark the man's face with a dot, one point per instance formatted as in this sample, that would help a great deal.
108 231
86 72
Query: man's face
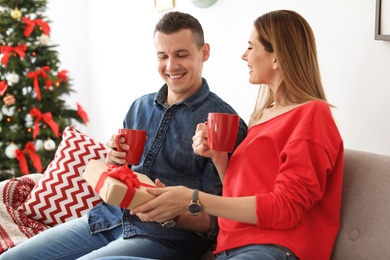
180 63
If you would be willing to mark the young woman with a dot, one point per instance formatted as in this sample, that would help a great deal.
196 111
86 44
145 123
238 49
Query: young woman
282 185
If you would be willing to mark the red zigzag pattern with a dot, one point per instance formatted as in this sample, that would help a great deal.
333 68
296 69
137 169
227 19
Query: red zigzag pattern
62 193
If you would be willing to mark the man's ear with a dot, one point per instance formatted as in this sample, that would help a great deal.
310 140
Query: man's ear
206 51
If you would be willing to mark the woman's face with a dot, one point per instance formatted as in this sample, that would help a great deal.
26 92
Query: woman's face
262 64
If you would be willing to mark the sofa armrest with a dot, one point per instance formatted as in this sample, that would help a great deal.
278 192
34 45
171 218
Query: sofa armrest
365 210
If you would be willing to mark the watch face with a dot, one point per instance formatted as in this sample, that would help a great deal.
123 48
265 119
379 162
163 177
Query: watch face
169 223
194 208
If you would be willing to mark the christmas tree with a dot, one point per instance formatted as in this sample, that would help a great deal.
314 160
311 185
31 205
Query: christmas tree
33 89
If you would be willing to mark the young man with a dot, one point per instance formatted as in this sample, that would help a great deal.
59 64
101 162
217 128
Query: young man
170 117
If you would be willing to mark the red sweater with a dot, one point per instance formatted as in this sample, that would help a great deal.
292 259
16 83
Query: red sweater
293 164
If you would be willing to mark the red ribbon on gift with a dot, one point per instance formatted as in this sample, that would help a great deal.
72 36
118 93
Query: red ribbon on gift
47 118
30 24
81 113
3 87
127 176
7 50
41 72
21 157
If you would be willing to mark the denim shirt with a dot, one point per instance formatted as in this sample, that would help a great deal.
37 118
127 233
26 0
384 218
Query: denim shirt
168 156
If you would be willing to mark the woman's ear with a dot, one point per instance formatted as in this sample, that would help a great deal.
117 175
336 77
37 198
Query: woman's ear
275 63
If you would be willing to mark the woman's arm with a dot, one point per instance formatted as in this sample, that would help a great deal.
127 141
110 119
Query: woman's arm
201 147
241 209
175 199
220 160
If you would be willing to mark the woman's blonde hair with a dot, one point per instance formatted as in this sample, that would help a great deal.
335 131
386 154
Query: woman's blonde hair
290 37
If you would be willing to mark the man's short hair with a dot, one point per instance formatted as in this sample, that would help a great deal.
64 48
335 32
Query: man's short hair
173 22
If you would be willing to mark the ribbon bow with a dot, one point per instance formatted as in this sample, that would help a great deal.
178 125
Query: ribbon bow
21 157
3 87
7 50
126 175
47 118
30 24
34 74
81 113
62 76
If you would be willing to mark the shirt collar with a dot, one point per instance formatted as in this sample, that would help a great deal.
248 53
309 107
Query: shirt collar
192 102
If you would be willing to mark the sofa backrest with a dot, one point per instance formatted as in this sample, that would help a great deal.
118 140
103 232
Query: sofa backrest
365 211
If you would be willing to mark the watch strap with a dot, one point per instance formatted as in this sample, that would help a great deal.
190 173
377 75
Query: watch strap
195 195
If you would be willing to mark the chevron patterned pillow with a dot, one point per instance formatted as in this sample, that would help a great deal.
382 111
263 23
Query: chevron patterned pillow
62 193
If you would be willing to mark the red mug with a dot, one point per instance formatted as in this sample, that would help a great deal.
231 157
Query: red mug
136 140
222 129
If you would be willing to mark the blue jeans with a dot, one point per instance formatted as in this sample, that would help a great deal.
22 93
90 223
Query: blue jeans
64 243
258 252
252 252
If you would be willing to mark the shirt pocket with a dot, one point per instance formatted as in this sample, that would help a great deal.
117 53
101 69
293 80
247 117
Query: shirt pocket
183 156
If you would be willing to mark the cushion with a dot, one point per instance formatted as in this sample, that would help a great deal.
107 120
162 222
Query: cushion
62 193
15 227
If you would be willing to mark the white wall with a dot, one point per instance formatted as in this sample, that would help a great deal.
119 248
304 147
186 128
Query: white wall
108 48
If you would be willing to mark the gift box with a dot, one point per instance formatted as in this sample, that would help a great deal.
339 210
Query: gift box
118 185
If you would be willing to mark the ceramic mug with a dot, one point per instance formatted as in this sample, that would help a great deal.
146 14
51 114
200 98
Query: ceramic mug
136 140
222 129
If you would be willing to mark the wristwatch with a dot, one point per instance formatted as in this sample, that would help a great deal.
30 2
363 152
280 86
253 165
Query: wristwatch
169 223
194 207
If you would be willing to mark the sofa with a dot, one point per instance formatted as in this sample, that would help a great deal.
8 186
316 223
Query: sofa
365 213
